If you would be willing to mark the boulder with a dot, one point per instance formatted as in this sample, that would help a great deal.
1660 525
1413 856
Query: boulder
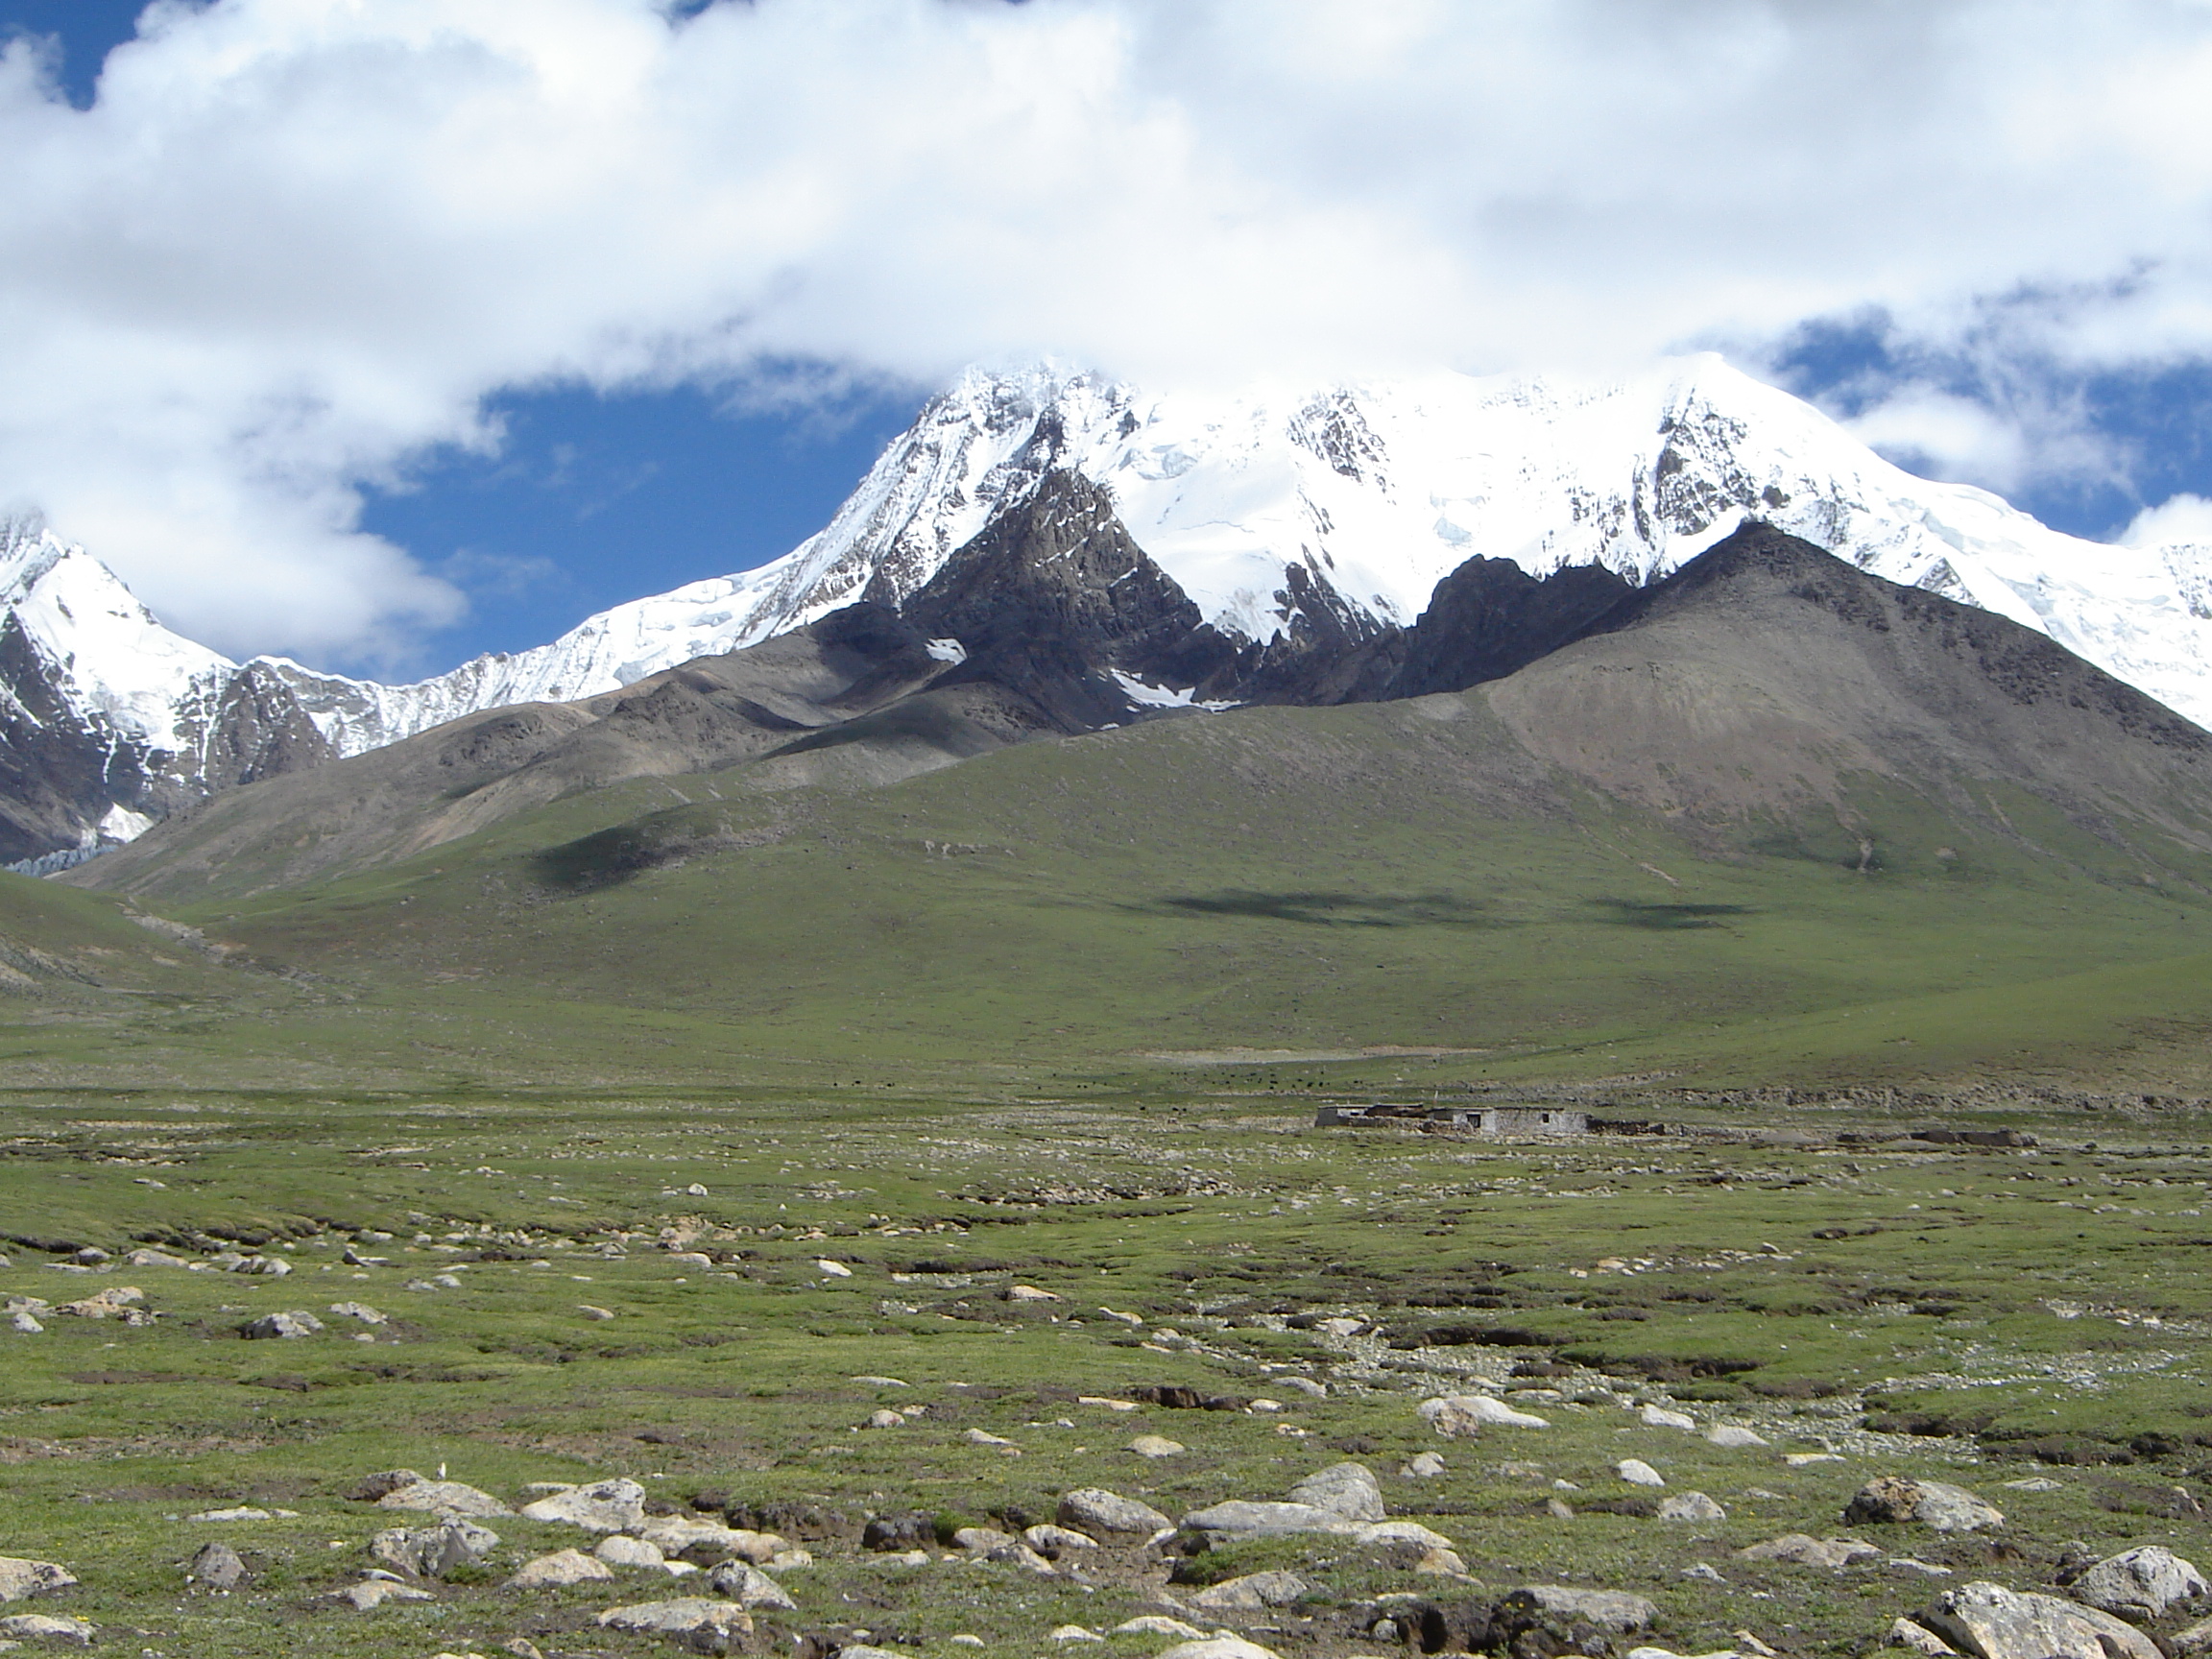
1990 1621
19 1578
433 1551
1252 1593
298 1322
443 1497
1892 1498
707 1542
43 1627
1157 1445
742 1582
1053 1542
1108 1515
2192 1642
1732 1434
1347 1489
619 1551
1802 1550
1638 1472
561 1567
1691 1506
603 1506
1562 1619
382 1484
1905 1633
1216 1648
1460 1414
697 1624
2140 1583
1242 1515
913 1529
371 1594
216 1567
1423 1466
1660 1417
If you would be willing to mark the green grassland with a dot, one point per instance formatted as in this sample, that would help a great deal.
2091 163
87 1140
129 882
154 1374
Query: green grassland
1347 884
1979 1317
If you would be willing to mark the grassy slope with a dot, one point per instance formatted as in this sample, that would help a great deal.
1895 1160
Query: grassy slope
1288 881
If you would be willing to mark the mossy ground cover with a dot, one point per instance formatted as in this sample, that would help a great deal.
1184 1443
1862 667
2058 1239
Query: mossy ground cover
1981 1316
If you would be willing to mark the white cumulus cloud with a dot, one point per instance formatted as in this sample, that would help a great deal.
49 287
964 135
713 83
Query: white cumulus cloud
292 242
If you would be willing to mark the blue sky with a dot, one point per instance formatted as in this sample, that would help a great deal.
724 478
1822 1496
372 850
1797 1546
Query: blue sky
384 345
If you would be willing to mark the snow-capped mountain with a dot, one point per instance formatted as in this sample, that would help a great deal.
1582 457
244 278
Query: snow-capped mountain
1276 511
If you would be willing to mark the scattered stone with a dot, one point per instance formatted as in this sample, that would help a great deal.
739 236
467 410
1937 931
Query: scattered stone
1802 1550
1461 1414
591 1312
1691 1506
885 1420
619 1551
1157 1445
1908 1563
603 1506
25 1321
701 1626
1076 1633
442 1498
433 1551
1660 1417
1732 1435
1347 1489
2189 1644
1559 1508
216 1567
382 1484
983 1437
1932 1504
1705 1572
1990 1621
1214 1648
708 1542
1905 1633
742 1582
1107 1516
2140 1583
266 1266
298 1322
44 1627
2034 1483
1252 1593
1442 1562
360 1311
1053 1542
1638 1472
1156 1625
1306 1386
1804 1459
116 1303
561 1567
371 1594
885 1382
1029 1293
1425 1466
907 1531
1562 1619
833 1269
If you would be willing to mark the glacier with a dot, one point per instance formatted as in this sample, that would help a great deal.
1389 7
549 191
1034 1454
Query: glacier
1367 492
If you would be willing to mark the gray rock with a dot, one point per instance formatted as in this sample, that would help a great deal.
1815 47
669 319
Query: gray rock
697 1624
708 1542
1214 1648
1053 1542
1731 1434
1252 1593
1905 1633
561 1567
1691 1506
44 1627
1802 1550
443 1497
2188 1643
2140 1583
742 1582
982 1540
1346 1489
434 1551
1242 1515
19 1578
1990 1621
619 1550
1660 1417
1466 1414
1563 1619
216 1567
1638 1472
1423 1466
298 1322
1108 1515
371 1594
382 1484
1892 1498
603 1506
